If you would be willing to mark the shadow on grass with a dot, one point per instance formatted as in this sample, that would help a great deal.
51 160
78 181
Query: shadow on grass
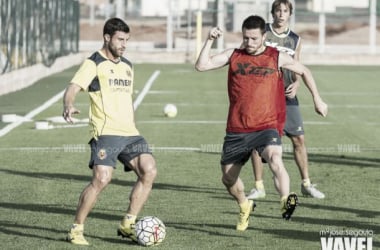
303 204
48 176
290 234
6 228
340 160
307 236
12 228
205 228
358 212
115 240
56 209
330 224
219 193
346 160
115 181
352 220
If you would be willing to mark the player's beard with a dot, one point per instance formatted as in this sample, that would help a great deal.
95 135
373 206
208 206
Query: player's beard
116 53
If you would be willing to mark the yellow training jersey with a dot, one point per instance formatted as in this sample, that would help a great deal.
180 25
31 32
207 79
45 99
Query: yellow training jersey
110 87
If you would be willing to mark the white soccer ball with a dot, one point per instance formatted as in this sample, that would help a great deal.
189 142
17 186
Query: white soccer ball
170 110
150 231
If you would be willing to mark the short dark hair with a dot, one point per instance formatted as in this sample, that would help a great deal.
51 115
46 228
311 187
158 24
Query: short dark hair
254 22
115 24
277 3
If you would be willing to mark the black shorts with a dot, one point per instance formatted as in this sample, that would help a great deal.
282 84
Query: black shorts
107 149
238 147
294 122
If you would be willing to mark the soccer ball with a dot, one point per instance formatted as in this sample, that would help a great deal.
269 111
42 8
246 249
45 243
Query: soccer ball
170 110
150 231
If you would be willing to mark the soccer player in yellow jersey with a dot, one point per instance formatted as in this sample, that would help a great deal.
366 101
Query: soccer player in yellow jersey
108 78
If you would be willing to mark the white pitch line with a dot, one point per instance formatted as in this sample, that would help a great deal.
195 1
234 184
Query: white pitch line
218 122
83 149
349 106
317 123
176 149
78 125
32 113
181 122
145 90
80 148
350 93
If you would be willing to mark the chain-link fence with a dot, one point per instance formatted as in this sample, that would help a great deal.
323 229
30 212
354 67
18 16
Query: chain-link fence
37 31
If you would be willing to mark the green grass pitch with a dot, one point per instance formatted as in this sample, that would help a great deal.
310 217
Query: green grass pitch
43 171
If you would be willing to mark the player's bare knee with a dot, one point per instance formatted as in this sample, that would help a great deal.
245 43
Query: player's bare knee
148 171
228 180
275 162
100 181
298 141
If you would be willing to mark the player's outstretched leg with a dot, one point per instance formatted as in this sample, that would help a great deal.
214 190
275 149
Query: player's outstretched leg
288 205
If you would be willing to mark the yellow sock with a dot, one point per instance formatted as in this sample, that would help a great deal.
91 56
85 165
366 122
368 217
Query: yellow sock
283 200
128 219
259 184
244 204
77 227
306 182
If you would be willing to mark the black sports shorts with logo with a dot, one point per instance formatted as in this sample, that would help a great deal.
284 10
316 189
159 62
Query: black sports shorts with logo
294 122
107 149
237 147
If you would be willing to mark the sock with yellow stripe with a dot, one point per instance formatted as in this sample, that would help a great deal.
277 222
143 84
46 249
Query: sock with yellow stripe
306 182
77 227
245 204
259 184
